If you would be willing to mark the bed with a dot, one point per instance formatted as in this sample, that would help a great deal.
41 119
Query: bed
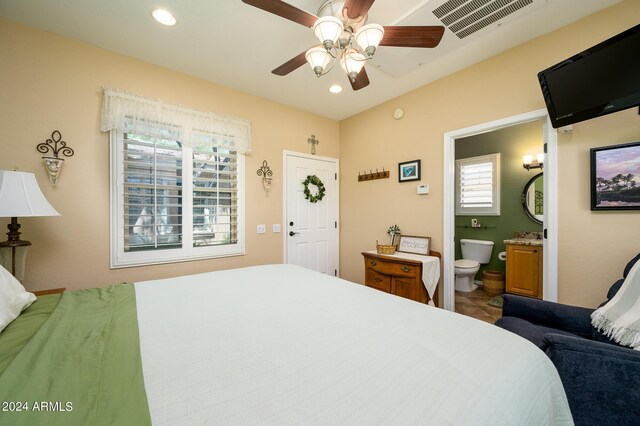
272 344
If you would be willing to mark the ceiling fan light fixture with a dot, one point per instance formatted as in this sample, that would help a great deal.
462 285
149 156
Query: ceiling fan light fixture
318 58
328 30
369 37
164 17
336 88
352 62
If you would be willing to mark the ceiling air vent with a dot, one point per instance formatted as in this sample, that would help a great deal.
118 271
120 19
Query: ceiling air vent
465 17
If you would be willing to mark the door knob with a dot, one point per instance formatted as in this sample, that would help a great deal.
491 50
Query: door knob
291 233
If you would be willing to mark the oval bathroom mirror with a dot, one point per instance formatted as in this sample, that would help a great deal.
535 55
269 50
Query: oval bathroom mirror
532 198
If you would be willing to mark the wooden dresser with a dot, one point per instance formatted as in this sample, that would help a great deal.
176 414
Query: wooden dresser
394 275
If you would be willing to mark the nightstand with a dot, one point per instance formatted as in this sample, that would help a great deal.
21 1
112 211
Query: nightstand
49 291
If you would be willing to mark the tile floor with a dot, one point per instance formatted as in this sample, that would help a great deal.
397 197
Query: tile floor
474 304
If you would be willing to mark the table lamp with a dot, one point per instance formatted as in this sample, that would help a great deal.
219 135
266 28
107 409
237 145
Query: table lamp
20 196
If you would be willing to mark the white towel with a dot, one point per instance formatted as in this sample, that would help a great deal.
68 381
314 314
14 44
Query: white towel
619 319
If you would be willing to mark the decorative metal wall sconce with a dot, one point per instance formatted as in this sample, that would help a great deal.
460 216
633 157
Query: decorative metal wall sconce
528 162
266 174
54 163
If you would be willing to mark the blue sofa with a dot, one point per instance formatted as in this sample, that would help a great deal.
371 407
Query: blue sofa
600 377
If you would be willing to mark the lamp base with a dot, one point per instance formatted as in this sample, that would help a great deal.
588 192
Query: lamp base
13 242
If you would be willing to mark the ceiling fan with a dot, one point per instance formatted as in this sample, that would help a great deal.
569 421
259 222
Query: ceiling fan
341 26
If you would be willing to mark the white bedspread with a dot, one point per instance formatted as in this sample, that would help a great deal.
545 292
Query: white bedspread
280 344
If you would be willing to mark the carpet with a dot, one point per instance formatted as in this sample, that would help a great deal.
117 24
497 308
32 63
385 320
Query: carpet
496 302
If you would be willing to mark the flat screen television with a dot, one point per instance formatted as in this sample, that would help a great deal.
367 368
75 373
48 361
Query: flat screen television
603 79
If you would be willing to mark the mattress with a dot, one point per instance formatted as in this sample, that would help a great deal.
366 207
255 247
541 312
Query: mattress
280 344
272 344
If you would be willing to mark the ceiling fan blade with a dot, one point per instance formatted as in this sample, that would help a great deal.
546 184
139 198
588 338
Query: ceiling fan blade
284 10
356 8
362 80
291 65
401 36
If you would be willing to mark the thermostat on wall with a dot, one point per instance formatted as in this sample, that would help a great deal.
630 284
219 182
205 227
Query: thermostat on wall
423 189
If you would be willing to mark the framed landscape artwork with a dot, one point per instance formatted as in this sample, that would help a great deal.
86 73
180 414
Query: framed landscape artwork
408 171
615 177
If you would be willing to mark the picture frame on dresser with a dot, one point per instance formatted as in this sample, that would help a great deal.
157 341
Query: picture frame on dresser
615 177
414 244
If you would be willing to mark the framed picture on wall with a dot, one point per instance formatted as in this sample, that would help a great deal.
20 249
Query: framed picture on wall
409 171
413 244
615 177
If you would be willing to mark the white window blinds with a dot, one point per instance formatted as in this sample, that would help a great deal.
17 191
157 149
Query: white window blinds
152 193
215 197
478 185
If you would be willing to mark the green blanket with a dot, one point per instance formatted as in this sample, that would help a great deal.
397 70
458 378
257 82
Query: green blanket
82 367
21 330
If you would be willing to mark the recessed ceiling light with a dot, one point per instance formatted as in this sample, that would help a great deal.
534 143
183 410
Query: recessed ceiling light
336 88
164 17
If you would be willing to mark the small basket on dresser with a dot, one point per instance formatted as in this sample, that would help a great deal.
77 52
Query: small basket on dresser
385 249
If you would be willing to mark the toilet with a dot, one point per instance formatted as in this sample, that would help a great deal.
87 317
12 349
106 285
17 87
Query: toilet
474 254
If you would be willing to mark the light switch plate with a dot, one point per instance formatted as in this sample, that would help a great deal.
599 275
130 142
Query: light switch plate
276 228
261 229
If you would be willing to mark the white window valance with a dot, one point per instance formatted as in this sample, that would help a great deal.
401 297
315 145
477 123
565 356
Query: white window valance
132 114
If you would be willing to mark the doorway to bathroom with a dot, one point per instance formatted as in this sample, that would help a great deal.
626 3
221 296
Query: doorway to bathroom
511 139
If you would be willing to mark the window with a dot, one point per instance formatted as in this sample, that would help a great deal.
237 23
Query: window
478 185
177 189
173 201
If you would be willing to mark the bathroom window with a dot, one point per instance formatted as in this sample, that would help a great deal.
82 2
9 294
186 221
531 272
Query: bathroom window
478 185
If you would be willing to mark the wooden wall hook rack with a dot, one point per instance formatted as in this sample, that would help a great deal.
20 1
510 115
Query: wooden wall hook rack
371 175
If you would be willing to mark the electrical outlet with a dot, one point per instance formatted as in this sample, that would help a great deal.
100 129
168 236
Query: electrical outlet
261 229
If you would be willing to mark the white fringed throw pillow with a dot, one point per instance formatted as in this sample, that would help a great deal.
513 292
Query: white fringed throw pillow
13 298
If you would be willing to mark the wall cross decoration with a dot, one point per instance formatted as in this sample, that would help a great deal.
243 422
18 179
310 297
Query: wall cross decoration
313 141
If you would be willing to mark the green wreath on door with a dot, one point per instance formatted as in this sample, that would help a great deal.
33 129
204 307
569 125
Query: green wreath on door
313 180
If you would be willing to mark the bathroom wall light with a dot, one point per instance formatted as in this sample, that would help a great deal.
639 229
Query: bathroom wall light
266 174
528 162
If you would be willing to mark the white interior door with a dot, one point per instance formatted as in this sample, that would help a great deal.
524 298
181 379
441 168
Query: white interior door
311 229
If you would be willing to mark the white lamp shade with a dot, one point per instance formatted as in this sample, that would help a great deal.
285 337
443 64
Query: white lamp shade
352 62
540 158
317 57
527 159
328 28
20 196
369 36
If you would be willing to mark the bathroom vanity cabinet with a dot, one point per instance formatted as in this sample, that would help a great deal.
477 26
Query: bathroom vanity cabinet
524 270
402 277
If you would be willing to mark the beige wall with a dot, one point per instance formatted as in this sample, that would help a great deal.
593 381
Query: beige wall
51 83
593 247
